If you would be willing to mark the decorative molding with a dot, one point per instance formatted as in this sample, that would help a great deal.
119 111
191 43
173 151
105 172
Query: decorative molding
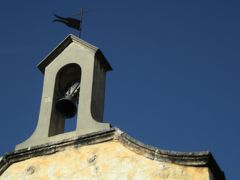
195 159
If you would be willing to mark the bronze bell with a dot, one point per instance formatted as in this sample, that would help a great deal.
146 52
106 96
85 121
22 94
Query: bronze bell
67 106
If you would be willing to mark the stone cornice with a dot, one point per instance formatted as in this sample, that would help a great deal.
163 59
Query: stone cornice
195 159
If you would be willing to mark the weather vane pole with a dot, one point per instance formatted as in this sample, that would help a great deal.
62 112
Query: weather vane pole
71 22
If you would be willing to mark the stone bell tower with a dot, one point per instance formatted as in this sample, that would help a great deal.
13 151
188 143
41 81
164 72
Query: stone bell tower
74 75
74 83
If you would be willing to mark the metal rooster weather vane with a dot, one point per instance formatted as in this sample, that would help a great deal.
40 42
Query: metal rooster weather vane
71 22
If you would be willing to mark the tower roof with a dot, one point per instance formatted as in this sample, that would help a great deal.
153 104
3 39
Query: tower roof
65 43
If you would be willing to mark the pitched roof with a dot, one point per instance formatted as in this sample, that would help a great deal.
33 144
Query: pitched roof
64 44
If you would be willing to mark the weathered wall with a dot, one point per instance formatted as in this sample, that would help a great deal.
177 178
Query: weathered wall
104 161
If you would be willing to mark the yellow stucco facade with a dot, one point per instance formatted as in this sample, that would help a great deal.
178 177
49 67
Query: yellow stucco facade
104 161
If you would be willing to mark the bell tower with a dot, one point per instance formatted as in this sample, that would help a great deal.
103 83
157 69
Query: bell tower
74 85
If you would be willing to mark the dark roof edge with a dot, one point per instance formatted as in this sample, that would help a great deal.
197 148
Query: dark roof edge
68 40
199 159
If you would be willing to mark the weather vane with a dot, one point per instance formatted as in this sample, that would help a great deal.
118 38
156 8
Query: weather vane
71 22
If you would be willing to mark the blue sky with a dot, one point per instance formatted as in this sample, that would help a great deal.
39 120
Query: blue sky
176 78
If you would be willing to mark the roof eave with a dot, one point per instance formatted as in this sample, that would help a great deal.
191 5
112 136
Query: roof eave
195 159
68 40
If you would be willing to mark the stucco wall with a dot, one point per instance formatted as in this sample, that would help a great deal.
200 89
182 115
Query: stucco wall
105 161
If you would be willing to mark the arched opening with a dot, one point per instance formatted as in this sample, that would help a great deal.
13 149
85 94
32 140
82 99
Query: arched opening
65 100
